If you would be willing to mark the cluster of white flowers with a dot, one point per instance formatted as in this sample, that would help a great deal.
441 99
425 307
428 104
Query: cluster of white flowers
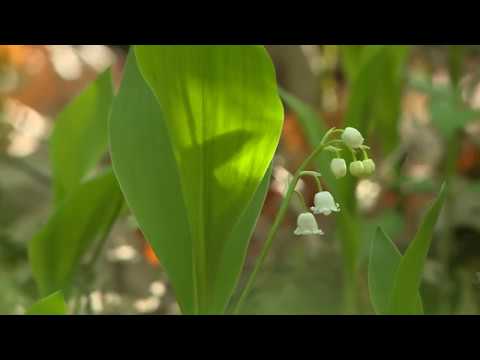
324 203
353 139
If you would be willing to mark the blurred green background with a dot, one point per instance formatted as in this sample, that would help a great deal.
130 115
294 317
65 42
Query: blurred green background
419 106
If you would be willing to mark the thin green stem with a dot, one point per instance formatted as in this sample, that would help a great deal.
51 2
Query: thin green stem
278 221
315 175
354 155
448 239
365 155
302 200
337 142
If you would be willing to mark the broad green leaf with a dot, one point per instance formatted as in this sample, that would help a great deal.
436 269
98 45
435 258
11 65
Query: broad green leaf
50 305
80 136
410 270
190 151
86 215
145 166
382 269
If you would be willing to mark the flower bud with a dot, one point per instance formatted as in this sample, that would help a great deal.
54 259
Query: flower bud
339 168
357 168
352 138
369 166
307 225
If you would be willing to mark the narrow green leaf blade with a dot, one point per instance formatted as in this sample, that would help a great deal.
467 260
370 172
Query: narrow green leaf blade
313 126
410 270
351 56
85 216
382 269
384 261
51 305
80 136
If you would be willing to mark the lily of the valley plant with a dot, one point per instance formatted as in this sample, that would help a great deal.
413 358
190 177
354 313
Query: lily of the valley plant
334 141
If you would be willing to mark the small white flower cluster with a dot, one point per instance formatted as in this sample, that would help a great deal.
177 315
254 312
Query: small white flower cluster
353 139
324 203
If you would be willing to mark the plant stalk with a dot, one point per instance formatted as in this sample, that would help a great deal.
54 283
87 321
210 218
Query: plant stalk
278 221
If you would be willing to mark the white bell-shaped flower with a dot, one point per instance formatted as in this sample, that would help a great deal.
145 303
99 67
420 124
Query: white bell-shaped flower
339 168
307 225
352 138
325 204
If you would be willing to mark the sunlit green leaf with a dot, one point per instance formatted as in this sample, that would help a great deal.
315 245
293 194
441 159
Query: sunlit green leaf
144 163
410 270
50 305
80 136
190 151
86 215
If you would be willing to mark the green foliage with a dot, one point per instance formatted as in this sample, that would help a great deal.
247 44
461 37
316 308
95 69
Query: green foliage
80 136
313 126
84 210
456 57
193 131
384 263
375 75
448 110
351 58
50 305
86 215
391 221
394 280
